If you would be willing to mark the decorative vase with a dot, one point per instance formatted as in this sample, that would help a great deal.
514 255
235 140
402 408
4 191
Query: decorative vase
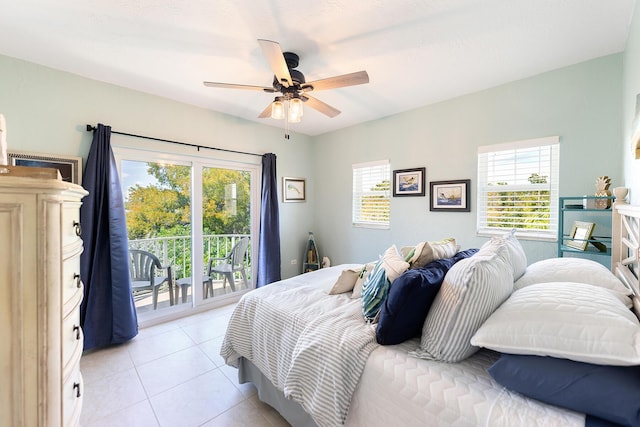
602 190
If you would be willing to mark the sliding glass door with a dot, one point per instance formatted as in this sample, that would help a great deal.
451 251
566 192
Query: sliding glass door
193 219
158 212
226 230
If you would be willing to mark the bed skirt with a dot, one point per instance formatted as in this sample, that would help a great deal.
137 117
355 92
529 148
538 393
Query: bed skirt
290 410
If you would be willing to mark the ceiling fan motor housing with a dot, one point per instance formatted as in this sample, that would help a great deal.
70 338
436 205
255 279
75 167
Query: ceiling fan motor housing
292 61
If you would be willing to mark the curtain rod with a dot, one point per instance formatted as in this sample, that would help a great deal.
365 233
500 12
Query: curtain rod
198 147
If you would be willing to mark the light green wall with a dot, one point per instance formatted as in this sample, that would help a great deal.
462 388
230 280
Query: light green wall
631 90
47 110
581 104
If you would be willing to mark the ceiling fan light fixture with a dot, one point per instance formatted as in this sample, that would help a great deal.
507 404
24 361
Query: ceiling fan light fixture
295 110
294 119
277 110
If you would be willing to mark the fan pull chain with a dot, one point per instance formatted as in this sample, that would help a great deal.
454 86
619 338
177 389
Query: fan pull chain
286 119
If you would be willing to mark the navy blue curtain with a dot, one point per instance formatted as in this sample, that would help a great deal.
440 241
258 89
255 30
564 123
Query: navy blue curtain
269 245
108 313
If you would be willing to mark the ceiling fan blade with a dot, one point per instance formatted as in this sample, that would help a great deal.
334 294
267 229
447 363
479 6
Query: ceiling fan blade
235 86
351 79
320 106
275 57
266 113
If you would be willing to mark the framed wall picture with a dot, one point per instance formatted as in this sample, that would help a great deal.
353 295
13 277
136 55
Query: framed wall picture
450 196
70 167
293 189
580 235
408 182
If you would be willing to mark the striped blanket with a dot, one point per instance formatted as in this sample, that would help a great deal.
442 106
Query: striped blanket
311 345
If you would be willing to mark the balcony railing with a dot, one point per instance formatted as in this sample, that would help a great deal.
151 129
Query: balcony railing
176 250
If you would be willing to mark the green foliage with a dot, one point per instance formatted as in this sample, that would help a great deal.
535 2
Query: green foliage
375 208
537 179
151 211
523 209
519 209
222 212
164 209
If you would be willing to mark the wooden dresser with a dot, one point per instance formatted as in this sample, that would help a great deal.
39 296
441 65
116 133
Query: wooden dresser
40 295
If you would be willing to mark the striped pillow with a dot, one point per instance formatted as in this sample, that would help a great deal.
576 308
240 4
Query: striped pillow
376 286
517 256
472 289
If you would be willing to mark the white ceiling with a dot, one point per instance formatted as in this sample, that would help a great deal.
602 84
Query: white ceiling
417 52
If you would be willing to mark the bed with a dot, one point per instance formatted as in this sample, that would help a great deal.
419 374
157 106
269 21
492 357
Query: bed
500 343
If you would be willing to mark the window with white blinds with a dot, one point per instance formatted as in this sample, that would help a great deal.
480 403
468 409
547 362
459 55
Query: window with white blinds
518 187
371 194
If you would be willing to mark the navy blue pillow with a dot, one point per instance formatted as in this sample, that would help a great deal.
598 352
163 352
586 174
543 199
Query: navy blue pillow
410 298
611 393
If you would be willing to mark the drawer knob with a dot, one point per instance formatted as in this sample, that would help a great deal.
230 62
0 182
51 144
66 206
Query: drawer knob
76 329
78 228
76 276
76 387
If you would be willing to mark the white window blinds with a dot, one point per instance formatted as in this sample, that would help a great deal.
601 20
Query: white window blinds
518 187
371 193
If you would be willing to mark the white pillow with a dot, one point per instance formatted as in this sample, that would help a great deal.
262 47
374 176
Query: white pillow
472 289
574 321
425 252
579 270
346 281
517 256
393 263
362 276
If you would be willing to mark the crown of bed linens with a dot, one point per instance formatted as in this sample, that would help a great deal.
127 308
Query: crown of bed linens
472 289
580 270
567 320
410 298
607 392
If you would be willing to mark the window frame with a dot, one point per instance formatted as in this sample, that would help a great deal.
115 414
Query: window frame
552 167
378 171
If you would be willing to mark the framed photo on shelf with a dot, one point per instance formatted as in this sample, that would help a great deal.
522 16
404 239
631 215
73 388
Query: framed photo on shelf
450 196
408 182
70 167
293 189
580 235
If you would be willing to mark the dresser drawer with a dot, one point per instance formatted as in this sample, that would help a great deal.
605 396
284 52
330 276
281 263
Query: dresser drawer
71 229
71 282
72 341
72 395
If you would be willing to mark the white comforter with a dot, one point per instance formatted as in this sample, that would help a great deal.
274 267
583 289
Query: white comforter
318 350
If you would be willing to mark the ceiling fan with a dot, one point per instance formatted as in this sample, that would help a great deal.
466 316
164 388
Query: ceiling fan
291 84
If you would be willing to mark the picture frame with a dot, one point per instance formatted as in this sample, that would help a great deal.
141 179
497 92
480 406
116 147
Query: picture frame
409 182
294 189
70 167
580 235
450 196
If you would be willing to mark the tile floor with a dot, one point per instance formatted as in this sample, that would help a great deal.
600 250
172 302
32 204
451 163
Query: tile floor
171 375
